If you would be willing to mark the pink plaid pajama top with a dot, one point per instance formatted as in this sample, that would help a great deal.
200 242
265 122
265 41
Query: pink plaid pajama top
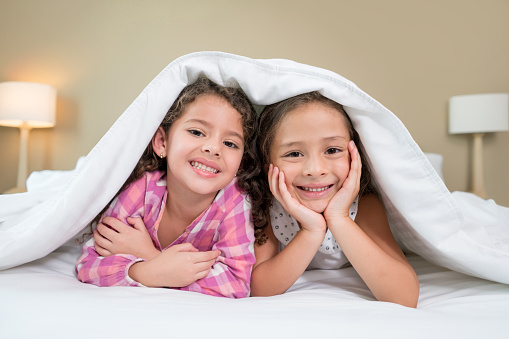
225 225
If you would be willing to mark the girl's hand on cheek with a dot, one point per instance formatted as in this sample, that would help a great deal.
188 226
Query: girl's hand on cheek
308 219
340 204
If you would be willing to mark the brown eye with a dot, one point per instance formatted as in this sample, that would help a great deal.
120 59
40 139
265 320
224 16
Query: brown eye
230 144
294 154
196 132
332 150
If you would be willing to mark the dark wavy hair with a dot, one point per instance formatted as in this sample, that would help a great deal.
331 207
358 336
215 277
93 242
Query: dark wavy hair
267 125
234 95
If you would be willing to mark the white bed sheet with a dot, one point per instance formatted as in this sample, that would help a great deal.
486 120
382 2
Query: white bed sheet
43 299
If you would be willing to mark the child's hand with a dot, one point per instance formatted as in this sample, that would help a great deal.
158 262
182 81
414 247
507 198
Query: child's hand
308 219
178 266
340 204
112 236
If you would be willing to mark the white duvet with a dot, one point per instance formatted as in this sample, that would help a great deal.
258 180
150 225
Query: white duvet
458 231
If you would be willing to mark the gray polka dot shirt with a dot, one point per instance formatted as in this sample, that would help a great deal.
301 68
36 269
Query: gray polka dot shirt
285 227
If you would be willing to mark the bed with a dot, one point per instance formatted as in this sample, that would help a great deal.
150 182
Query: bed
457 243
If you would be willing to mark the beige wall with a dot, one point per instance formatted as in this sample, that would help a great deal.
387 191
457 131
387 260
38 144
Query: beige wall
409 55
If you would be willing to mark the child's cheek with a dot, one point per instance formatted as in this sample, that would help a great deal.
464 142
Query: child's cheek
343 167
291 189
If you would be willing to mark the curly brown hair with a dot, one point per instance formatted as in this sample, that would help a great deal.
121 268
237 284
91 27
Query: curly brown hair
234 95
267 125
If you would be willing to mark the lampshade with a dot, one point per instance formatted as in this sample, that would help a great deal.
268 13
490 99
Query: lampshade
478 113
27 103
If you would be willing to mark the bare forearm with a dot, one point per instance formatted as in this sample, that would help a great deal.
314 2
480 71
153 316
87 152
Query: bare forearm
149 253
142 272
389 279
279 273
389 276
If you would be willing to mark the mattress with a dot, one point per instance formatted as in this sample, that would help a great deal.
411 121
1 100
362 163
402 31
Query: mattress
44 299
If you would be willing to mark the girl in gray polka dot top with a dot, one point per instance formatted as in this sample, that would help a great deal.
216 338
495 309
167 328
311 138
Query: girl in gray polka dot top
315 207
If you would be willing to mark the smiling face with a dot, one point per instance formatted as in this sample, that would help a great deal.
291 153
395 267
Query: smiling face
204 147
311 147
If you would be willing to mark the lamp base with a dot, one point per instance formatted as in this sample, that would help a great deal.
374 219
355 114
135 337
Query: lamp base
477 167
22 161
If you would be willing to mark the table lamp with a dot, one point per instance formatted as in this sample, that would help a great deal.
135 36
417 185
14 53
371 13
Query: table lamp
478 114
26 105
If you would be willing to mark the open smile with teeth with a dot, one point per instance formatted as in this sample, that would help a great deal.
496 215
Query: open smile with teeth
316 189
202 167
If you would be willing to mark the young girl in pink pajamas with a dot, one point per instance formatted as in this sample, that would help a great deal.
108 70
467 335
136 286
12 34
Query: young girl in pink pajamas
182 220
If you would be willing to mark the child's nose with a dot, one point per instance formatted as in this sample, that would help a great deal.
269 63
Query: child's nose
315 167
211 148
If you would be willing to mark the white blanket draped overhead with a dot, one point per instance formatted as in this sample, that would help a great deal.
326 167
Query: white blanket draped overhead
458 231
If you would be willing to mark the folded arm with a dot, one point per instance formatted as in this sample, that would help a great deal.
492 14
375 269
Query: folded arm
93 268
230 275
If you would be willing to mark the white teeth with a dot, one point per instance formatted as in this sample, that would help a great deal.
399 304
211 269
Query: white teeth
203 167
315 189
